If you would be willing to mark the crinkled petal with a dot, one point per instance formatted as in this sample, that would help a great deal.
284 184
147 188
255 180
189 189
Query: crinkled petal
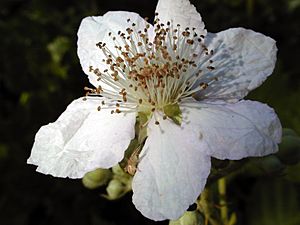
180 12
235 131
243 59
172 171
82 139
96 29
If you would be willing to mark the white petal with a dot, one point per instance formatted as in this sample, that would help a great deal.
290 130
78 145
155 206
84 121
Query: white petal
243 59
172 172
180 12
82 139
235 131
96 29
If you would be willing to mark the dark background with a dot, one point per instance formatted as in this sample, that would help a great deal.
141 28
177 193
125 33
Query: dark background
40 75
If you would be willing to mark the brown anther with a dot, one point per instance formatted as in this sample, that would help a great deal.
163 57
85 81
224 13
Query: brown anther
117 105
103 103
118 111
140 101
203 85
210 67
99 108
156 123
112 112
165 117
190 41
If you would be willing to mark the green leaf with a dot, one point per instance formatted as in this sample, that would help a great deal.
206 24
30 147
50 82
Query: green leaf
58 48
273 202
174 113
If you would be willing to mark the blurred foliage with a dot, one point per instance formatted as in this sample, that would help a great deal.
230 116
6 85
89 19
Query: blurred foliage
40 75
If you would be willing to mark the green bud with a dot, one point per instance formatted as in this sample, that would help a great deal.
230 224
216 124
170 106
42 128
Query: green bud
188 218
288 132
289 150
115 190
271 165
96 178
174 113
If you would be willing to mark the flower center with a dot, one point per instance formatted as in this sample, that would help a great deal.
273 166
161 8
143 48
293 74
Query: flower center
152 68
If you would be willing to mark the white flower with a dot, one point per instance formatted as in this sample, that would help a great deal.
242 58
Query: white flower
138 67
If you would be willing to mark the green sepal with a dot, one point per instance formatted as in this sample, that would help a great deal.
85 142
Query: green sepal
174 113
131 148
141 128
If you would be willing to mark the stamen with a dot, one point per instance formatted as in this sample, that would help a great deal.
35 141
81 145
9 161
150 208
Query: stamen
153 73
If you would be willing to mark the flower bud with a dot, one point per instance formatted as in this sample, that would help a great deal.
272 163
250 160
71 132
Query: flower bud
288 132
271 165
96 178
188 218
289 150
115 189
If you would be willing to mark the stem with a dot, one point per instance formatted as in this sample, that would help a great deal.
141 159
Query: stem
206 207
222 202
